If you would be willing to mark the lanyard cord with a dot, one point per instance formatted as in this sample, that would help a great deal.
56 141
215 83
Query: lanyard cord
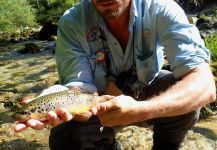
133 46
108 62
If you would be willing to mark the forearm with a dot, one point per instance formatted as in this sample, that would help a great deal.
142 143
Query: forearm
196 89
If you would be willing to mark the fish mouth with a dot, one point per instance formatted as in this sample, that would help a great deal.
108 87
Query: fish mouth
21 118
22 115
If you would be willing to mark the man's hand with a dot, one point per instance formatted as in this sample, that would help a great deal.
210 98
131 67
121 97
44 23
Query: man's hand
54 118
121 110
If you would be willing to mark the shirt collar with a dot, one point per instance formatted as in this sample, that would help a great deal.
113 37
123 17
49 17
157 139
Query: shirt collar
133 15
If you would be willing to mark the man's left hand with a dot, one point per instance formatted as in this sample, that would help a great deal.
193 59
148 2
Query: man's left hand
120 110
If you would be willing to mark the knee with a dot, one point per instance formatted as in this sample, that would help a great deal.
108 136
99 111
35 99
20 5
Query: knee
64 136
175 128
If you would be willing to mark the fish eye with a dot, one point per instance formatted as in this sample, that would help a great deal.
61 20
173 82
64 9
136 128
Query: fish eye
25 112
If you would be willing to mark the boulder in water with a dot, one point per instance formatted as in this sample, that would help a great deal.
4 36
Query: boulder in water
31 48
205 23
48 30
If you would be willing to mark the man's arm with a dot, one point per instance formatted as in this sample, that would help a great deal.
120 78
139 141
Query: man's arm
195 89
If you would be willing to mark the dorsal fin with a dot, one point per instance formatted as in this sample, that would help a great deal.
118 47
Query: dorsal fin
74 89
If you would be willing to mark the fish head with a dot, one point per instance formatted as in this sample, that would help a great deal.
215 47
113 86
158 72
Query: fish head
25 114
22 115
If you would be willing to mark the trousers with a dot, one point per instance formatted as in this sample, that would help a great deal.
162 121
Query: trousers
74 135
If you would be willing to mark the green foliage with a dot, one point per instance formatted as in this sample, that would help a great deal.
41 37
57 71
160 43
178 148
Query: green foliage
14 15
51 9
215 14
211 43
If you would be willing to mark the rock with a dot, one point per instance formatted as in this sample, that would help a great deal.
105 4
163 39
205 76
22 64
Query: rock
48 30
205 23
209 32
134 137
204 26
51 46
215 24
191 5
192 20
31 48
53 37
24 88
24 38
203 35
194 6
209 12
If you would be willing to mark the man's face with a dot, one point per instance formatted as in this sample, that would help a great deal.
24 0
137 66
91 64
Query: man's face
110 9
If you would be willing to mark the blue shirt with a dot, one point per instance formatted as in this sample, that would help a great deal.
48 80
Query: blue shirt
157 28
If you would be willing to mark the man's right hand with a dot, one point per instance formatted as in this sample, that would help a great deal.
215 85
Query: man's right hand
53 119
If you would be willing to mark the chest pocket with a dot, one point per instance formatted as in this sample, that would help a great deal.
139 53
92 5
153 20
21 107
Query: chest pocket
96 39
96 46
146 67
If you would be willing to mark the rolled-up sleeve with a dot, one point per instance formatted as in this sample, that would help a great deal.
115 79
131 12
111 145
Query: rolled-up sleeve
182 43
72 60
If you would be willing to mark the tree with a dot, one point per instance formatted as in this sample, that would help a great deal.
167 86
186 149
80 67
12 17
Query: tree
15 15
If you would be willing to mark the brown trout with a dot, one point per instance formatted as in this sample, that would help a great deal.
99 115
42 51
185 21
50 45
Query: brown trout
73 101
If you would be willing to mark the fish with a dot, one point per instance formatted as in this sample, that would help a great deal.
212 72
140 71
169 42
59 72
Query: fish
74 101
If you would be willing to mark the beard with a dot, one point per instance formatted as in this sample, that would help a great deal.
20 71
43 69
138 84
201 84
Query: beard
111 13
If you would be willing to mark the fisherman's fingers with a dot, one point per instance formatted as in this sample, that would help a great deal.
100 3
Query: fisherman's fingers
53 118
64 114
104 107
35 124
20 127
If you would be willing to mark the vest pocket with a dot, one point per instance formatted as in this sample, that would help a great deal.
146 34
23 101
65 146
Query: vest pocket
146 67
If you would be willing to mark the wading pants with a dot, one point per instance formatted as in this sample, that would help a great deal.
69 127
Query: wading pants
168 134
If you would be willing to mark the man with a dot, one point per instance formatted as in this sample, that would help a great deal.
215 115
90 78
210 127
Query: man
117 47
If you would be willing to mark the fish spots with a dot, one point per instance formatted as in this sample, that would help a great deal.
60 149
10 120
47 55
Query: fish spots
32 110
73 101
